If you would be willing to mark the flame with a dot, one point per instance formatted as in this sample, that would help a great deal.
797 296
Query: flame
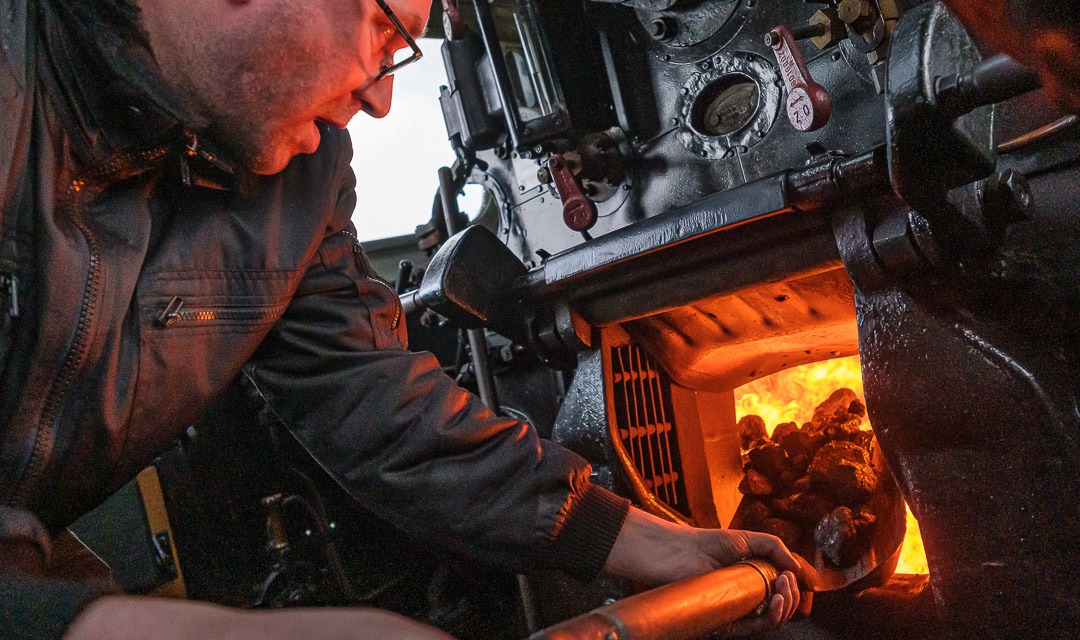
792 394
912 554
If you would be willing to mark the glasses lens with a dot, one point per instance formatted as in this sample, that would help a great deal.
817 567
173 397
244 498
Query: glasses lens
402 56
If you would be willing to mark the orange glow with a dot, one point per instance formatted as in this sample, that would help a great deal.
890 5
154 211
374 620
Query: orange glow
792 394
912 554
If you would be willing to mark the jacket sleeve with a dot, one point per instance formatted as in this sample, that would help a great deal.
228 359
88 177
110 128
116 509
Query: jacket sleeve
405 442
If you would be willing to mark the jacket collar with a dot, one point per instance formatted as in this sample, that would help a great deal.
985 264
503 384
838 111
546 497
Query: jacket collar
110 94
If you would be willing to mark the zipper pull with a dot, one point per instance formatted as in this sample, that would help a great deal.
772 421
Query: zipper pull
12 282
171 314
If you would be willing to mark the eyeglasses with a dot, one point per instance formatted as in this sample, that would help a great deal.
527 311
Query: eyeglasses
390 68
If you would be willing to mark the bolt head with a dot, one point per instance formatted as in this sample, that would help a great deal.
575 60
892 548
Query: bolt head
851 10
663 29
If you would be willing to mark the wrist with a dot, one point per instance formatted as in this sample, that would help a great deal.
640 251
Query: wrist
654 551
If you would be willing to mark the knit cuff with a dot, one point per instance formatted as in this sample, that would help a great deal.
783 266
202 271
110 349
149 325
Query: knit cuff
589 530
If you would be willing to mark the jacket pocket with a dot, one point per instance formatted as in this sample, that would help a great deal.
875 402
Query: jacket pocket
196 331
180 313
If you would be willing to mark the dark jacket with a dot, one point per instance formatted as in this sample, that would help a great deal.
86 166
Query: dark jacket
138 281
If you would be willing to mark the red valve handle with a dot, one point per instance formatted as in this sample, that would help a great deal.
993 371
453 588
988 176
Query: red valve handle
453 23
808 105
579 212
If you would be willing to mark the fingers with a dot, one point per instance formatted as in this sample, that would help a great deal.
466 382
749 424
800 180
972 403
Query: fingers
782 606
771 548
787 590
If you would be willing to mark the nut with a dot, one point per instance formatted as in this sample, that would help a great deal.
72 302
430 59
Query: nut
834 28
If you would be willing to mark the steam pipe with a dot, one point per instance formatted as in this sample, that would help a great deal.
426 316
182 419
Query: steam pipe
698 250
683 610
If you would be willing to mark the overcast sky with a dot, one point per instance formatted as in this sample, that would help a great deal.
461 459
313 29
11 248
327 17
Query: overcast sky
397 157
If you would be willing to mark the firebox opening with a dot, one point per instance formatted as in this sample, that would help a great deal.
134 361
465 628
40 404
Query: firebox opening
791 395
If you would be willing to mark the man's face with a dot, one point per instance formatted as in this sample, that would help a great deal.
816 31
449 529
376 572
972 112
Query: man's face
273 68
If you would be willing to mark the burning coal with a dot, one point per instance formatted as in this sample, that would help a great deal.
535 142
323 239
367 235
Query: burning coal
807 454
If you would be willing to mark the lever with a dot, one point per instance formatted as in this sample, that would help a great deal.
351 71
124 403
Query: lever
453 23
993 80
808 105
579 212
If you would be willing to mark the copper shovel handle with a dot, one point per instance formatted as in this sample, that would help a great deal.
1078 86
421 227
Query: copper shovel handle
682 610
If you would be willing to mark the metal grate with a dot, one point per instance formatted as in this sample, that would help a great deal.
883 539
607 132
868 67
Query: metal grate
645 421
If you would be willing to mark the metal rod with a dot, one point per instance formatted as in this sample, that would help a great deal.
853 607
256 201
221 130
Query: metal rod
1054 127
482 367
485 380
683 610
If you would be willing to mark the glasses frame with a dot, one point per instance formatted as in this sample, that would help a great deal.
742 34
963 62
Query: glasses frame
389 69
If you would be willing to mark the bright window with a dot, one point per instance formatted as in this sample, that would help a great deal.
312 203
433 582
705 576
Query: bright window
396 158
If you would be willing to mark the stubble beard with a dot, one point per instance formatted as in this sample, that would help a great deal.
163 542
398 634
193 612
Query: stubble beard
239 85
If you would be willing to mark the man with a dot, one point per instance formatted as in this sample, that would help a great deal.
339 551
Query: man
176 208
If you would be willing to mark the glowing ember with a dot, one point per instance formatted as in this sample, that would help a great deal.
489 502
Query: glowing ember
791 395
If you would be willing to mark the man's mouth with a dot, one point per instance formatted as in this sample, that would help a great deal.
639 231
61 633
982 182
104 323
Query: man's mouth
337 124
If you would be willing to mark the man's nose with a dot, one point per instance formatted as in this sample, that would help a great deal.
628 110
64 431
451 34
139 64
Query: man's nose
376 97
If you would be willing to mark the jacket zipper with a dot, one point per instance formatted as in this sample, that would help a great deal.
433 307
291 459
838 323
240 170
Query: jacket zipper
80 189
358 249
175 313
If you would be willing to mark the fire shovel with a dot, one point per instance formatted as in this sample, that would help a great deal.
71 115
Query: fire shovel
684 610
697 607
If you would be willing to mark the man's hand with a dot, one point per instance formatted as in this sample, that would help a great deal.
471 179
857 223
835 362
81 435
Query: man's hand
654 551
132 618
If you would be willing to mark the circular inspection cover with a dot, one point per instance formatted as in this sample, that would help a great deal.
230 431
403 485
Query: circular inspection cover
732 104
725 106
